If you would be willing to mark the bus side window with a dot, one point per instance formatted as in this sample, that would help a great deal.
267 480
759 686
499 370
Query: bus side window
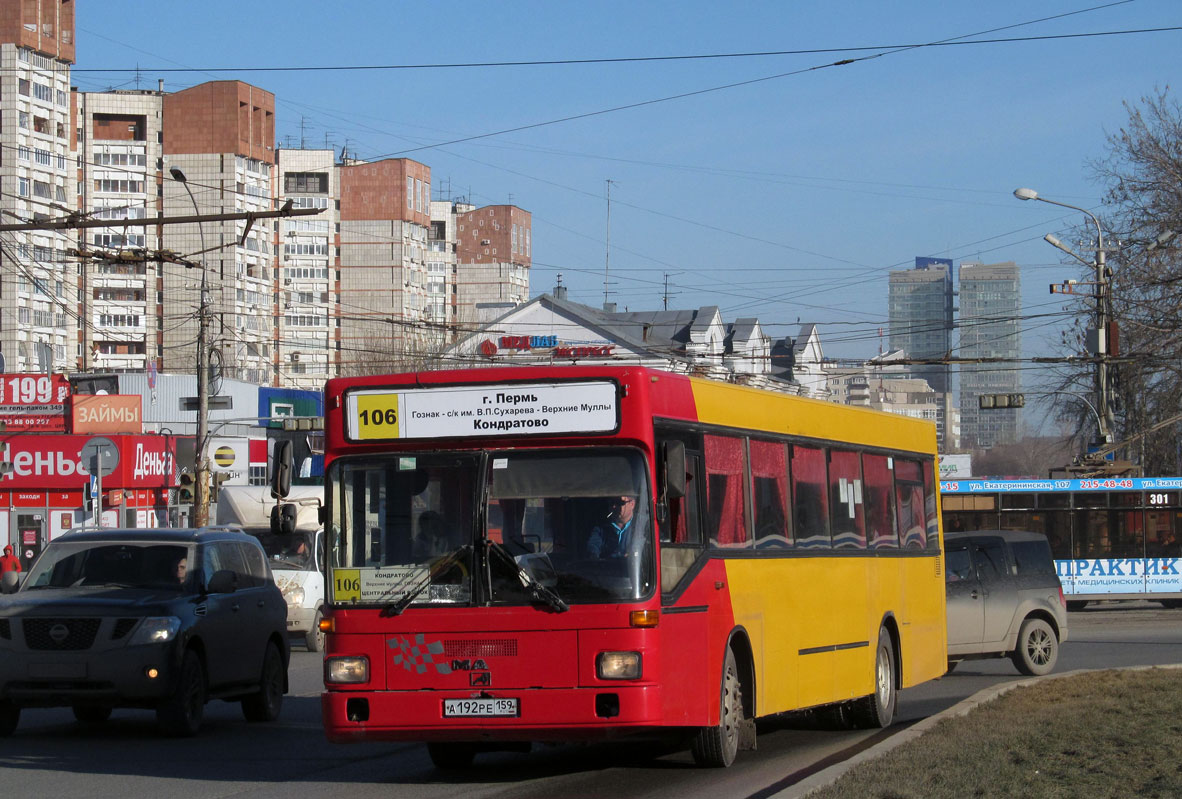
726 491
682 526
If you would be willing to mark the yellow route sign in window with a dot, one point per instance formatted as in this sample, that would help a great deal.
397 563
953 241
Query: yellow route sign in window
346 585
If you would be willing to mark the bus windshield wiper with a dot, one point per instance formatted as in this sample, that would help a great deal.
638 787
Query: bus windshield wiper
438 567
538 591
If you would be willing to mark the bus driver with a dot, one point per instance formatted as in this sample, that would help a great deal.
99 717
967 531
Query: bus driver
613 539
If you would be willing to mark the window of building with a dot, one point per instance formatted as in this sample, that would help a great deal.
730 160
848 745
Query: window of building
410 193
305 182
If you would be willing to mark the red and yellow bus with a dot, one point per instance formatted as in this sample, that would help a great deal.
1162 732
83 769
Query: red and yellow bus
581 553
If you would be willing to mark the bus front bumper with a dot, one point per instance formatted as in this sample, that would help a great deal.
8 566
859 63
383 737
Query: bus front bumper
551 715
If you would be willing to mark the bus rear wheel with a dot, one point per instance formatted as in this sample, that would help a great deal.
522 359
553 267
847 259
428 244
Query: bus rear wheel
878 709
717 746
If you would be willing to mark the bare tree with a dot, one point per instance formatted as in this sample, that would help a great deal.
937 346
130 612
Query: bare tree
1142 177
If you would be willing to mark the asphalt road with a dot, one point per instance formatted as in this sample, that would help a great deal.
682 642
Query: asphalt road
52 755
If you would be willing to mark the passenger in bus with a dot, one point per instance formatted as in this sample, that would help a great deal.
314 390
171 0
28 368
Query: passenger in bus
435 537
612 540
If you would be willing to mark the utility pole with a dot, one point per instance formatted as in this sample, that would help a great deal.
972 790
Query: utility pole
607 245
201 467
1099 342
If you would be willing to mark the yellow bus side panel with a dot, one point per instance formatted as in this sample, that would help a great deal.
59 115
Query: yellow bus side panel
813 623
740 406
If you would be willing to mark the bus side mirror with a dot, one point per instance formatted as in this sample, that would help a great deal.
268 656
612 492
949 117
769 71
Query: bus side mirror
281 469
322 515
283 519
673 469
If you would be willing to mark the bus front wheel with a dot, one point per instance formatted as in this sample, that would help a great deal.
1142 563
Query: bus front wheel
717 746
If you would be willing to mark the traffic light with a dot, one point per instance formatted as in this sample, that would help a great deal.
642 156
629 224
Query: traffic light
992 402
186 490
87 499
218 479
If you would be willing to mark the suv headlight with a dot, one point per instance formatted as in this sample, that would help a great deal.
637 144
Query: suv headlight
294 596
156 630
346 669
618 665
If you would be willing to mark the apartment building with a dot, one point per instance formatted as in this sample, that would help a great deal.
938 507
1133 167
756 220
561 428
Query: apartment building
38 280
493 257
119 141
308 293
385 216
221 137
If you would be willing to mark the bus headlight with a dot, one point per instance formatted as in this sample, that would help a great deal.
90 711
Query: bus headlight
346 669
618 665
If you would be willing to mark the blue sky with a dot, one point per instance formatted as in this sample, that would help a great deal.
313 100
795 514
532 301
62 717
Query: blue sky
788 199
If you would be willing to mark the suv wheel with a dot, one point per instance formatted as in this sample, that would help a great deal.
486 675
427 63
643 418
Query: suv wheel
180 714
1038 648
10 716
266 704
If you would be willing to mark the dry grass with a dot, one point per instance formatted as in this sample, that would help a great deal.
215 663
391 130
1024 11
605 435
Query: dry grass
1102 734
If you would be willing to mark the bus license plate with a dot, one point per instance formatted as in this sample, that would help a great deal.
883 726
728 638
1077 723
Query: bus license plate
479 707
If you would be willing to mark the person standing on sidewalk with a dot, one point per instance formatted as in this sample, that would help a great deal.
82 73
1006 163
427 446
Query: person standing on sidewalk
10 562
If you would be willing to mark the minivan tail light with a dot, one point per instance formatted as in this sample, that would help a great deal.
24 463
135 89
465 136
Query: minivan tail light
1062 599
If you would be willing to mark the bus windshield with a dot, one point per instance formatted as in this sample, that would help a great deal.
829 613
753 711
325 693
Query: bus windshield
534 525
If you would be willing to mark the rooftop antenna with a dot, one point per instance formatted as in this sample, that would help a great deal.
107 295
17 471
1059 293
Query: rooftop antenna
607 242
303 143
665 294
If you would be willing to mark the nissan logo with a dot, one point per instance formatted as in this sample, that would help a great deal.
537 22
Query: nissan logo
59 633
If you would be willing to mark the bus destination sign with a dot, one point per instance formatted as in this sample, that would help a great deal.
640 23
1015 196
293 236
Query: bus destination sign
466 411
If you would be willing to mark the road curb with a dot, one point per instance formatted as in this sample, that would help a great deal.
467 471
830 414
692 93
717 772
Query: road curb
830 775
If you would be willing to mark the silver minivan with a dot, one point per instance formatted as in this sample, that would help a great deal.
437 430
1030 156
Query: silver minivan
1004 599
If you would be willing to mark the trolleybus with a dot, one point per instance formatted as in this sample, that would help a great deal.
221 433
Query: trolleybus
1112 538
580 553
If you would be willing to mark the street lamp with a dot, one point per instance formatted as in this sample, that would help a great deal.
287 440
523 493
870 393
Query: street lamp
1103 307
201 472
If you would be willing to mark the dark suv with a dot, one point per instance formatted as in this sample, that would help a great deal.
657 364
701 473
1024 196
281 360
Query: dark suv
162 619
1004 599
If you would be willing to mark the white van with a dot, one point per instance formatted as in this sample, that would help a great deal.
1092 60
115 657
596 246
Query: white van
297 561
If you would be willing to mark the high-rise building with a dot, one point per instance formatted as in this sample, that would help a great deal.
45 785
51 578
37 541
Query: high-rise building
120 300
989 321
306 342
221 135
38 281
375 281
919 309
385 216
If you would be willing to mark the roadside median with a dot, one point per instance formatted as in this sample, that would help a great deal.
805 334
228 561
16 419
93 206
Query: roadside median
1111 733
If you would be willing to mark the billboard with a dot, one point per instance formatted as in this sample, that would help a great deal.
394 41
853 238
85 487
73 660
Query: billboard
34 402
106 413
54 462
